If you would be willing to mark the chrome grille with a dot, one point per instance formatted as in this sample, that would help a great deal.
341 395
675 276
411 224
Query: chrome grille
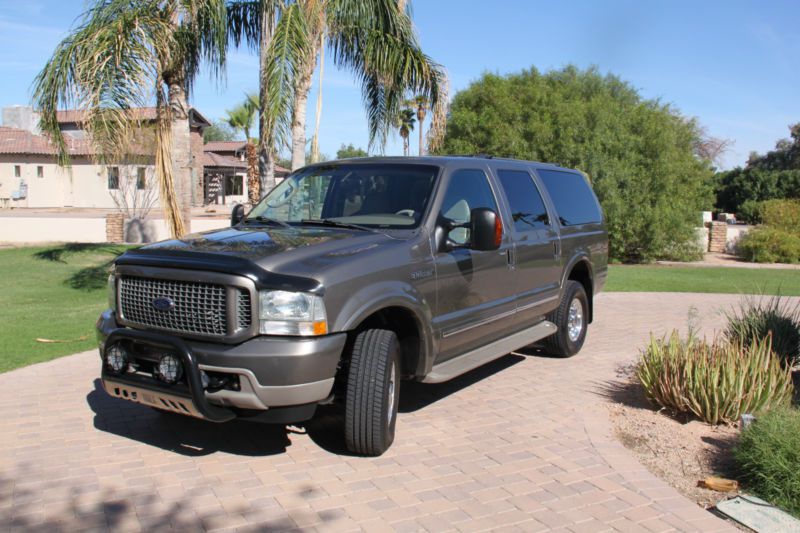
243 310
199 308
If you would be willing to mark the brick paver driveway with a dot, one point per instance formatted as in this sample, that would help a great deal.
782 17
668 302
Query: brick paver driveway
522 444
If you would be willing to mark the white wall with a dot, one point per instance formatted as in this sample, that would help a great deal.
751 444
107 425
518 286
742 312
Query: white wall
85 184
68 229
42 229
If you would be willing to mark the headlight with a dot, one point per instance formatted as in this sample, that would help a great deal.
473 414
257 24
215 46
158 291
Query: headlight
291 313
112 292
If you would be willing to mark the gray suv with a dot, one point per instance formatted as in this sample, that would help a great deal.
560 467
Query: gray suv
349 277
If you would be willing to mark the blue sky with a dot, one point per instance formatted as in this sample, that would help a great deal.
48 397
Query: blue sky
734 65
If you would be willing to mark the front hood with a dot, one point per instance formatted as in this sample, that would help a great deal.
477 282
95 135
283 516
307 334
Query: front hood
295 250
253 243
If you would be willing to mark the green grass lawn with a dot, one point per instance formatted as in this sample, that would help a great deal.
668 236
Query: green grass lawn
57 292
656 278
53 292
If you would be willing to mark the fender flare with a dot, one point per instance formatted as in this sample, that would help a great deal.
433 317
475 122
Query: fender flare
373 298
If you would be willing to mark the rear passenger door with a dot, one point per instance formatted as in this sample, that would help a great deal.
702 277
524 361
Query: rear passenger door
536 265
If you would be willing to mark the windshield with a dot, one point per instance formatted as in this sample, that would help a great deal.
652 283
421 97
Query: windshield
373 195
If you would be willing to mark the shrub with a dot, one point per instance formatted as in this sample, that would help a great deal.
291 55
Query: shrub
717 382
768 458
639 153
769 245
750 212
781 214
756 318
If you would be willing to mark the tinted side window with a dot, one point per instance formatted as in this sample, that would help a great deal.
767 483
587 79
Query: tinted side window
572 197
468 189
527 207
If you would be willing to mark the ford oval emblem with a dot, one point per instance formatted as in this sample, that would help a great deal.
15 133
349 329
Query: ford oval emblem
163 303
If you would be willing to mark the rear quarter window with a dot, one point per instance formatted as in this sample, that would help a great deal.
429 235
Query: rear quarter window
572 196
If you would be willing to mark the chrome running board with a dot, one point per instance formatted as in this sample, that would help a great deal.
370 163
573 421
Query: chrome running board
464 363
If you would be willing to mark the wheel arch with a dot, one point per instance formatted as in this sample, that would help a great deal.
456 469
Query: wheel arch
581 270
410 320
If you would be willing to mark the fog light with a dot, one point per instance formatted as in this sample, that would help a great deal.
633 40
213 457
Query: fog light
170 369
116 359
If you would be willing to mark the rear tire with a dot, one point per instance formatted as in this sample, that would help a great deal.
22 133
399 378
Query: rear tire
572 319
373 392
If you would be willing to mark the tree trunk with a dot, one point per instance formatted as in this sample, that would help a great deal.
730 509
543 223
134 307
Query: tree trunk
181 154
253 183
318 117
302 86
405 145
164 173
266 134
420 120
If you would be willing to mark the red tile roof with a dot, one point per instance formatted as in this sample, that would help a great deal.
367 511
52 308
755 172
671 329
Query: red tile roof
15 141
223 146
68 116
210 159
76 115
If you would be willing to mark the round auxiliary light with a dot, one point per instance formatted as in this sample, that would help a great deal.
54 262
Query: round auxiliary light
117 359
170 369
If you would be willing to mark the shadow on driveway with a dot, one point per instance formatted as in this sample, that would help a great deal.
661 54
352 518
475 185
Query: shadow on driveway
194 437
183 434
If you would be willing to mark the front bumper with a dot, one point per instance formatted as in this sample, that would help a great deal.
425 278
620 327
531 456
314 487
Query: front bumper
275 374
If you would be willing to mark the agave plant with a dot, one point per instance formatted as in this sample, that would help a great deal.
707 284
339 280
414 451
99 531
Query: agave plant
718 382
758 317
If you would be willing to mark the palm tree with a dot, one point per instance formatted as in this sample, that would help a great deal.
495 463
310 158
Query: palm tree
241 118
121 54
420 103
404 122
372 38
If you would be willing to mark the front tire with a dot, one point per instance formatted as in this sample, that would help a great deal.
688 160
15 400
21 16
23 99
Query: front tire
373 392
572 319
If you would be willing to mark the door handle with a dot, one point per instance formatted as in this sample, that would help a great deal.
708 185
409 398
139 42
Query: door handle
556 249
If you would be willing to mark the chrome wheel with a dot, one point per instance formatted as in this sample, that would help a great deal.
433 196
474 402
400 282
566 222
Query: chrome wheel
575 320
390 404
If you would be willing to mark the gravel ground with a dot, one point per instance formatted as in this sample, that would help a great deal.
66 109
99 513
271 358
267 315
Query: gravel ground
680 451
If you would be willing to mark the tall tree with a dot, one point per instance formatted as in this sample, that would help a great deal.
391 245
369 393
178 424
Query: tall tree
349 150
404 122
420 103
122 53
218 131
241 118
374 39
638 153
315 157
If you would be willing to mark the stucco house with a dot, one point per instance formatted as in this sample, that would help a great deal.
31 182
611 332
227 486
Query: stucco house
30 176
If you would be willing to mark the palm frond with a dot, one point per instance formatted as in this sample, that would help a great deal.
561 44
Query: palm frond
288 48
375 40
108 66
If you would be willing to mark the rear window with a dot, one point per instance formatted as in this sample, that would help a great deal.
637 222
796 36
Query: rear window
572 196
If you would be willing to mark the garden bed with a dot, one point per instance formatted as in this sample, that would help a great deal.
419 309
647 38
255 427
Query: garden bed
680 451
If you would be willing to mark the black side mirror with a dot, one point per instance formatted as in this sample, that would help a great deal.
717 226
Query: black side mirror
237 214
486 229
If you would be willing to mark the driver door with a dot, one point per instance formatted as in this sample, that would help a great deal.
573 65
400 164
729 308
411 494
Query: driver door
475 302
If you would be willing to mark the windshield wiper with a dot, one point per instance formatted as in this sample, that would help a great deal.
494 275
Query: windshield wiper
267 220
334 223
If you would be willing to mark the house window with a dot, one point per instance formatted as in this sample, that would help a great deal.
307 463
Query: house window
141 178
17 171
39 172
113 178
234 185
